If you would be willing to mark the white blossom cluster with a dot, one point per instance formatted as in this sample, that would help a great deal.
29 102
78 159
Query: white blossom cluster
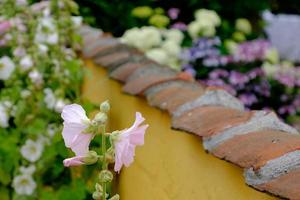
161 45
205 23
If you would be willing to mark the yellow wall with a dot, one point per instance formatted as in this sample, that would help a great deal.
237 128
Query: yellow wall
171 164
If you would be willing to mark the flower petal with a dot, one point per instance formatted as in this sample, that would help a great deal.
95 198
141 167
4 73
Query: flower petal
71 131
137 136
80 145
74 113
74 161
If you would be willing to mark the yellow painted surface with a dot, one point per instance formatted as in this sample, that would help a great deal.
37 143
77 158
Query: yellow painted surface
171 164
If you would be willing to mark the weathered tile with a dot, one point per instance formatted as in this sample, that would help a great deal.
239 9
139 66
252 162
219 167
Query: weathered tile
146 77
90 50
213 97
255 149
273 168
125 70
260 120
287 186
169 95
206 120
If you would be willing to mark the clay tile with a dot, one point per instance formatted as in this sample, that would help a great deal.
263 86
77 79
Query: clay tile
257 148
213 98
206 120
114 59
287 186
146 77
125 70
260 120
169 95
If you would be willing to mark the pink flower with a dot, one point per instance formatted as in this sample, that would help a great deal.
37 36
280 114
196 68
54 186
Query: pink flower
75 161
4 26
75 122
127 141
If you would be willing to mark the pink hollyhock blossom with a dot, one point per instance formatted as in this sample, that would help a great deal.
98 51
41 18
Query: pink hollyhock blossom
75 122
127 141
75 161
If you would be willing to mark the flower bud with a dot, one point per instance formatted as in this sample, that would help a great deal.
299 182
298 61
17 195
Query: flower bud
110 155
90 158
115 197
98 187
105 176
97 195
105 106
101 118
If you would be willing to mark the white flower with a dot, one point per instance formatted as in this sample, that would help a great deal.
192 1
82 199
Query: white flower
59 105
32 150
272 55
49 98
21 2
19 52
36 77
43 48
26 63
77 21
208 15
172 48
52 38
6 67
159 55
194 29
46 31
24 184
25 93
4 118
144 38
243 25
174 35
28 170
43 140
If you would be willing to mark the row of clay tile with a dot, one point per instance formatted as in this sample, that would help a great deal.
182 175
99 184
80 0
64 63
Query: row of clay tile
268 149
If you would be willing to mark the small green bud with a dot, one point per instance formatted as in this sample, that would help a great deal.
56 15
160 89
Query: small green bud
101 118
98 187
97 195
105 106
105 176
90 158
110 155
115 197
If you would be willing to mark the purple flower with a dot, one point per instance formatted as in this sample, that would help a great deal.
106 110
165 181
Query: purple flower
237 78
252 50
287 109
248 99
286 79
256 73
180 26
173 13
218 73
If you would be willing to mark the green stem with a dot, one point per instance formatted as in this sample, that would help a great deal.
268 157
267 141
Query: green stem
104 166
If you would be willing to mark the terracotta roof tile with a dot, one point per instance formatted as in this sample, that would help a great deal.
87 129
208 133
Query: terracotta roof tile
257 148
148 76
287 186
169 95
211 97
260 120
125 70
206 120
